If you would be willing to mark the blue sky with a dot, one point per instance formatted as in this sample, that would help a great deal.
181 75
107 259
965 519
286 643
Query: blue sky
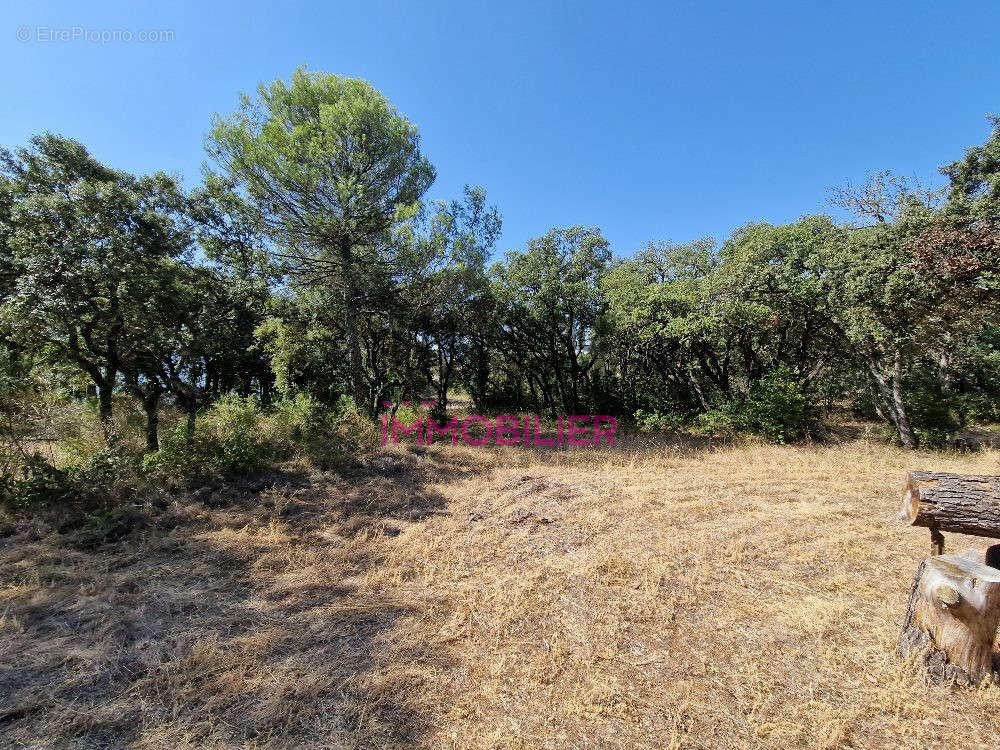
655 120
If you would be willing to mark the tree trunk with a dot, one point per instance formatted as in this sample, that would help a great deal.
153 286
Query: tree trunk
350 327
150 405
890 390
192 415
952 502
944 376
906 434
104 411
698 392
952 615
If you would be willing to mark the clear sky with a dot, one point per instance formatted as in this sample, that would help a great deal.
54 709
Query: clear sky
653 120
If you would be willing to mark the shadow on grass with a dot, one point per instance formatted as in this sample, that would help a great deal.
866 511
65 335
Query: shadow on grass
249 623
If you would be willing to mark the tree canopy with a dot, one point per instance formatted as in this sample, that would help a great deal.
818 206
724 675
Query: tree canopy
311 263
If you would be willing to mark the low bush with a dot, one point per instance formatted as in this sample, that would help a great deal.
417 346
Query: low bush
777 409
651 421
229 440
38 482
935 416
405 414
722 421
180 461
107 478
235 429
298 424
236 436
353 432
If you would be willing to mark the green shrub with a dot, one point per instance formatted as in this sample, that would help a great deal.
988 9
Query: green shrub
345 403
354 432
100 527
405 413
650 421
108 476
719 421
39 483
235 426
302 426
298 424
777 409
180 462
235 436
934 415
229 440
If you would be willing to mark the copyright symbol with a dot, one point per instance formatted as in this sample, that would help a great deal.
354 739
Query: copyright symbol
23 34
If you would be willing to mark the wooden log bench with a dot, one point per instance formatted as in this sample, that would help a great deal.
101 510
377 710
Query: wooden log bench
954 604
952 502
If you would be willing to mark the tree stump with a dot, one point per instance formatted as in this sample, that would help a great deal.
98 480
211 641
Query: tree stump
952 502
952 615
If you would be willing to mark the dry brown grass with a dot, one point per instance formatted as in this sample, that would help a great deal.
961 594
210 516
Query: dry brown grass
662 597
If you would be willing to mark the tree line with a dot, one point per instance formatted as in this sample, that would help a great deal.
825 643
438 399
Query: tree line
310 260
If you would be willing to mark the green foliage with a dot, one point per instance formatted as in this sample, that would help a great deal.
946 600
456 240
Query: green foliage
230 440
324 154
296 419
39 483
236 436
777 409
107 478
723 421
649 421
328 168
301 426
345 404
304 353
353 431
975 179
311 263
235 428
181 462
112 473
549 304
90 248
935 415
407 414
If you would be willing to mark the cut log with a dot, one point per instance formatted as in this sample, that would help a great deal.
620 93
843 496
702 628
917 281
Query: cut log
952 616
952 502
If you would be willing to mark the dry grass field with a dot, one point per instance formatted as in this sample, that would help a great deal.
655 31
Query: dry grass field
659 596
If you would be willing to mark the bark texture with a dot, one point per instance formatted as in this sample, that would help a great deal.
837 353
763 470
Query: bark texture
952 615
952 502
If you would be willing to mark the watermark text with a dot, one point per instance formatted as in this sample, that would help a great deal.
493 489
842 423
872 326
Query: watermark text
83 34
591 430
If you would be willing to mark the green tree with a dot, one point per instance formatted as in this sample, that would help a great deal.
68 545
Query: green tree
200 318
656 354
911 287
329 167
450 288
88 246
769 297
550 301
691 329
975 178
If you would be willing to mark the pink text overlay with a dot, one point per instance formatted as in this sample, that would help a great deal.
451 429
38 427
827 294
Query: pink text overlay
506 429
